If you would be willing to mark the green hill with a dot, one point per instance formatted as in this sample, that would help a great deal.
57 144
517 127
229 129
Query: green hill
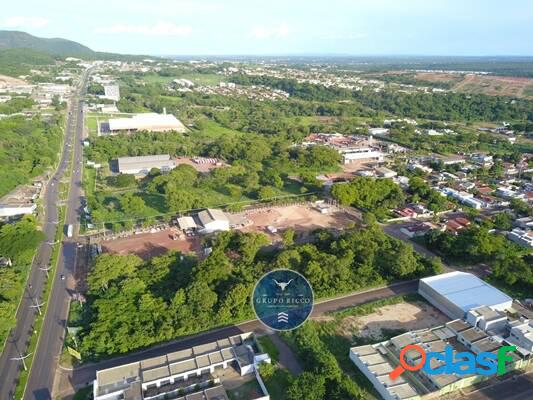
54 46
15 62
32 50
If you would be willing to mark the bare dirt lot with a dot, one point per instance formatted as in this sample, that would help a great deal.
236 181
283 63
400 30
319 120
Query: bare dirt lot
406 316
147 245
483 84
9 80
301 218
496 85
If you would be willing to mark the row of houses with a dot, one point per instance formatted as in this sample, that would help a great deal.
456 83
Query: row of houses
196 373
483 320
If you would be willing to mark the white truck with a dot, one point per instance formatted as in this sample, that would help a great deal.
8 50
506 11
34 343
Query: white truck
70 230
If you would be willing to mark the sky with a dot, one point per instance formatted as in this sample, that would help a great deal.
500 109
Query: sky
282 27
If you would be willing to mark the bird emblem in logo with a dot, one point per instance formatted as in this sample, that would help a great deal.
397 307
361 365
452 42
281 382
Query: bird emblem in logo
282 285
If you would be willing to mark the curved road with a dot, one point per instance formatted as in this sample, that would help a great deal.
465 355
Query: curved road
45 358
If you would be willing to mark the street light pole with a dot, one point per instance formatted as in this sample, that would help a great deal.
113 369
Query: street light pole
46 270
23 359
38 307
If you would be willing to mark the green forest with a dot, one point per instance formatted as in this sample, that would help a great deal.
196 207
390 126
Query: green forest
443 107
18 242
28 147
133 304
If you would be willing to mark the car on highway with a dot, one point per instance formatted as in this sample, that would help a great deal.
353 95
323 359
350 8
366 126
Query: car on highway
62 277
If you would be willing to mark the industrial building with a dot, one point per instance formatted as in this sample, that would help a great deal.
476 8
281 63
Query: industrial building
143 164
151 122
187 374
456 293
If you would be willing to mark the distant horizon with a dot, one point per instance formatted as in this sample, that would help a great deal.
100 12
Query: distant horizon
406 55
234 27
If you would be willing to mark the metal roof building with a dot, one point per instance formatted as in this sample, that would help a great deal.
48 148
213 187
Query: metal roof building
213 220
456 293
143 164
146 122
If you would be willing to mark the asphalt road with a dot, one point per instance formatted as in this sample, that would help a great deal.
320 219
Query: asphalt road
517 388
45 359
71 380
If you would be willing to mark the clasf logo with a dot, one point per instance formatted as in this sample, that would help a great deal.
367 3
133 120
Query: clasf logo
462 363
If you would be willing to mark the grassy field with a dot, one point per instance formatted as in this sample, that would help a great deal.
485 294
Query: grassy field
199 79
205 79
269 347
249 390
278 383
211 130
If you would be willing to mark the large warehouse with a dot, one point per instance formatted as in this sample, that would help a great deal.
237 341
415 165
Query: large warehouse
143 122
143 164
455 293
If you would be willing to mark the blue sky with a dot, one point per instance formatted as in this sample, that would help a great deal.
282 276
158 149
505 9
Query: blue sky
357 27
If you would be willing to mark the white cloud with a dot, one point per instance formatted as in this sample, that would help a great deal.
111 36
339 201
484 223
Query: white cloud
25 22
158 29
261 32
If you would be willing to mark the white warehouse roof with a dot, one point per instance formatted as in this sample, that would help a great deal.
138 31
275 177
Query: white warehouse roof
467 291
147 122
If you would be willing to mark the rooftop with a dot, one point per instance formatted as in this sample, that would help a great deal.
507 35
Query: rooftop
147 122
466 290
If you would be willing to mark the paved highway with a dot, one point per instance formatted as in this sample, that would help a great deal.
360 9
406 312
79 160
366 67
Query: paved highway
71 380
41 378
50 341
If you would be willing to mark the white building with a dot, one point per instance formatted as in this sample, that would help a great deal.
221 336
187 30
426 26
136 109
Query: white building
187 370
378 131
378 360
487 319
145 122
213 220
463 197
13 210
354 154
456 293
111 92
143 164
482 159
384 172
372 363
522 334
522 237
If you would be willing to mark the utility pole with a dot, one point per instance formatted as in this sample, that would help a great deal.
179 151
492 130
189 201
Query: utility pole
23 359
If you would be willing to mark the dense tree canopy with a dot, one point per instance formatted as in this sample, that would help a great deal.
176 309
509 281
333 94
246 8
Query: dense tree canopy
27 148
375 195
134 304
